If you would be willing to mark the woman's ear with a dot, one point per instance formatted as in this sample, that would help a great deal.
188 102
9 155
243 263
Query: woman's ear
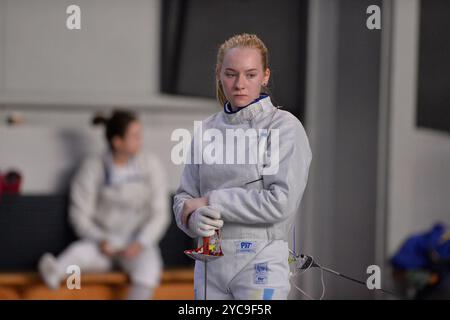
266 77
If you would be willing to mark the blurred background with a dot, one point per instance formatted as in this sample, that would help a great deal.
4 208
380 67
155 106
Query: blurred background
375 104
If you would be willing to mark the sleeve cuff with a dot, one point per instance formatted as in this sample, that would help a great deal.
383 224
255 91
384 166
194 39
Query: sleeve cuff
214 201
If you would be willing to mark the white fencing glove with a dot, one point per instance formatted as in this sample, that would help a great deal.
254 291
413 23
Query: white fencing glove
204 221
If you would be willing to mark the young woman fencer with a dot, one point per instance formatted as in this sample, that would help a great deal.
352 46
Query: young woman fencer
254 205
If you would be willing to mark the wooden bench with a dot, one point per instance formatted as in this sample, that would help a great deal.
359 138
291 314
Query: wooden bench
176 284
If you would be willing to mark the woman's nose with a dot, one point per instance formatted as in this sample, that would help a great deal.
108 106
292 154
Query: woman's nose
240 82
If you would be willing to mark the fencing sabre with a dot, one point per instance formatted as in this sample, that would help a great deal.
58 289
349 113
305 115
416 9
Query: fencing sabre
305 262
211 249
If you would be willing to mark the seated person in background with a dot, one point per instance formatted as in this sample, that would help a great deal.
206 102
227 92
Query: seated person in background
119 209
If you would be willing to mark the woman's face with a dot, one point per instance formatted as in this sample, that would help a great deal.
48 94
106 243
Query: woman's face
131 143
242 76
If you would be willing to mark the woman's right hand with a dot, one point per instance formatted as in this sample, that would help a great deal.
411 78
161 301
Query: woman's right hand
106 248
205 221
190 206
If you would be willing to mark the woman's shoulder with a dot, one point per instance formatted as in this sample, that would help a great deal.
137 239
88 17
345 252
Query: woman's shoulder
209 121
291 127
285 119
92 161
148 161
90 167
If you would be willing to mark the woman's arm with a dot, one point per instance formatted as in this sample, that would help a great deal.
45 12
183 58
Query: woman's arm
282 191
184 201
83 200
159 216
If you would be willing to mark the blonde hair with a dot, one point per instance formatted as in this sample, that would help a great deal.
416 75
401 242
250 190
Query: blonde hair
243 40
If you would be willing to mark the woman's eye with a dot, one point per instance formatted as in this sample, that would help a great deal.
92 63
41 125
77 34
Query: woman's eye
229 75
251 75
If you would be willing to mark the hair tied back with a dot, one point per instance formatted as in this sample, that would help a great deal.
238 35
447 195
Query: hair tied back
99 119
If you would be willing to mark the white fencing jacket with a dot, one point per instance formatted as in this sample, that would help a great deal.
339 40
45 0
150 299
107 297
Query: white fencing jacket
120 206
264 209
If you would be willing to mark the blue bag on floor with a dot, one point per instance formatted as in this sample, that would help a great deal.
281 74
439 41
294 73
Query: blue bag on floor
421 251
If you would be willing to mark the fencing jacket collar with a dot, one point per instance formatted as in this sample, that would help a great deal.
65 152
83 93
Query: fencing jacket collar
115 175
261 105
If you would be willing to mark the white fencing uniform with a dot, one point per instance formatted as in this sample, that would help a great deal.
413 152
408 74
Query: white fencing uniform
257 213
120 205
249 270
144 270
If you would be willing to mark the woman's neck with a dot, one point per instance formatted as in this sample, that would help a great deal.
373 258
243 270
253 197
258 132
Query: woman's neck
120 159
261 96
